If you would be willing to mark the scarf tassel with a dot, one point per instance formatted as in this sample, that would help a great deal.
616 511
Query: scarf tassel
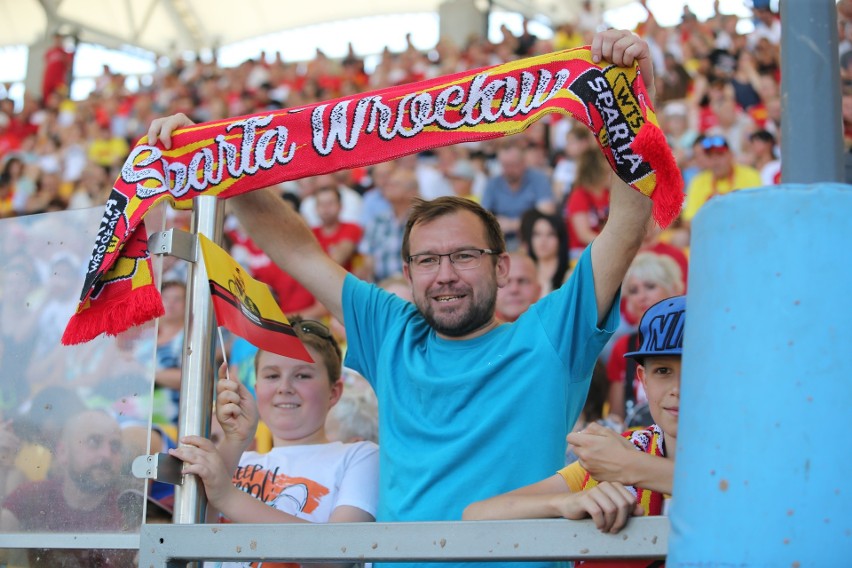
114 317
667 197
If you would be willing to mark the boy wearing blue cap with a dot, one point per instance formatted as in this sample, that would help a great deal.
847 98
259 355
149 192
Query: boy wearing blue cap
612 481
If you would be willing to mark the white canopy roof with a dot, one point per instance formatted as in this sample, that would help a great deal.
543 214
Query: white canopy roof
169 26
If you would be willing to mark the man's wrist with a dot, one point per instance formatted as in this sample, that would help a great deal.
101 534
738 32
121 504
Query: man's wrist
631 474
642 470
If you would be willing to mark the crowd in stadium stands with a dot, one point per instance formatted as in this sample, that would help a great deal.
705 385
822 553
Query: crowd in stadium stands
718 102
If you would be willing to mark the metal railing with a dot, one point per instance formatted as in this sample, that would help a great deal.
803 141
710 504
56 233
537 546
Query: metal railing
466 541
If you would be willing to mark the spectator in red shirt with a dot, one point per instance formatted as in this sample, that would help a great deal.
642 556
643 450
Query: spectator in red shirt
338 239
292 297
57 67
587 207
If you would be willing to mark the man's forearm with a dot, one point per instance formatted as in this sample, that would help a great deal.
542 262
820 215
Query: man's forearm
271 222
613 250
630 212
283 235
650 472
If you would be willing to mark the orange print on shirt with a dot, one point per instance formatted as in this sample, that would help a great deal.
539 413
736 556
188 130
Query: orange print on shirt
272 486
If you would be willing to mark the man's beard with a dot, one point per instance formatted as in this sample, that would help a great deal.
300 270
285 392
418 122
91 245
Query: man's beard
477 315
86 482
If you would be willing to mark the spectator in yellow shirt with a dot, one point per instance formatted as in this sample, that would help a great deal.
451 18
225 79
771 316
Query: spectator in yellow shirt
105 149
722 175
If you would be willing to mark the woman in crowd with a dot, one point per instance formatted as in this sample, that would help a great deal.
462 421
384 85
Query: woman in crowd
547 244
650 279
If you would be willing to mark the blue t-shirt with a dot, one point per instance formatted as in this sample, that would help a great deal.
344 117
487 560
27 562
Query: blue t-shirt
500 199
461 421
242 357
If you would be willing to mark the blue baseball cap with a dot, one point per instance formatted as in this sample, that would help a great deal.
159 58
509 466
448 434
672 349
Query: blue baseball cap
661 329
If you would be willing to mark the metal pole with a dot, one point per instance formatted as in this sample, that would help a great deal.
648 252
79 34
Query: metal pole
196 387
811 139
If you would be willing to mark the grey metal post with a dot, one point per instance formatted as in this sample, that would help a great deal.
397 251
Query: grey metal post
811 139
196 387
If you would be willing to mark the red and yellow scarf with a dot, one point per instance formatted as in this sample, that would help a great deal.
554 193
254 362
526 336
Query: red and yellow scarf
234 156
651 441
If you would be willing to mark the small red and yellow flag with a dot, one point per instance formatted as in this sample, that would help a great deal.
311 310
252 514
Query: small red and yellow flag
246 307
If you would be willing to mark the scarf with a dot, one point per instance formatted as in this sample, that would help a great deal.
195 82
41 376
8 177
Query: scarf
650 441
234 156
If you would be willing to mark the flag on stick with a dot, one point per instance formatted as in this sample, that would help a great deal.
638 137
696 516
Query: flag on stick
246 307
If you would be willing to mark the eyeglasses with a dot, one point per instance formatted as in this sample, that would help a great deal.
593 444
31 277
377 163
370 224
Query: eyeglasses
464 259
714 143
313 327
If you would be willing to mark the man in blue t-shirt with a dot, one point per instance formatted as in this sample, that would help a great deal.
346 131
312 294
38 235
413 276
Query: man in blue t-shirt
515 190
469 407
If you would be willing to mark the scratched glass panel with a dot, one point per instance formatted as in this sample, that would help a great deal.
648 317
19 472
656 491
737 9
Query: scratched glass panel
73 418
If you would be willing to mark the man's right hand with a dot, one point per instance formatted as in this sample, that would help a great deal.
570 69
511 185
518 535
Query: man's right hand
605 454
161 129
623 48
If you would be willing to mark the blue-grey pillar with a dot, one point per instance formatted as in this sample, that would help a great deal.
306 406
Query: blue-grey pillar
764 458
811 140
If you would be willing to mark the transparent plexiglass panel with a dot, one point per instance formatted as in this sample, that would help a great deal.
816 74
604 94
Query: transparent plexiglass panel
73 418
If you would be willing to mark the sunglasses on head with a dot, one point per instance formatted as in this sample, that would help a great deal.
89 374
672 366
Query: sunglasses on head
315 328
714 143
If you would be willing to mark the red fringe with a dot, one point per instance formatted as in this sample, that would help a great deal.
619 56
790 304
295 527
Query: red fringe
114 317
650 143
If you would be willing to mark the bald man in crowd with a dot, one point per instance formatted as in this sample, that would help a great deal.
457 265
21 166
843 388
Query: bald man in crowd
521 290
82 498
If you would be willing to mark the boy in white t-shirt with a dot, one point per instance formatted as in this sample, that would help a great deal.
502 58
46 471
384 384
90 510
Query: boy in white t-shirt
304 477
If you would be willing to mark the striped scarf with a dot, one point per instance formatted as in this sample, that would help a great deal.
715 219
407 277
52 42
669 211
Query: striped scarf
650 441
230 157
